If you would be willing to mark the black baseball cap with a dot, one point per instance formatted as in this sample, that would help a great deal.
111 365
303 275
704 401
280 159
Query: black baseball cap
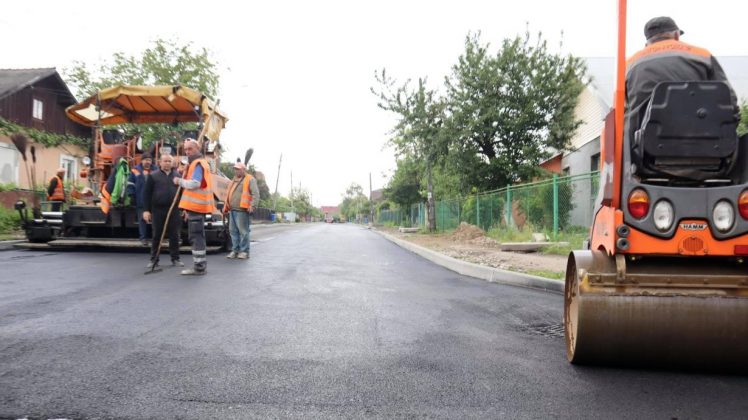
659 25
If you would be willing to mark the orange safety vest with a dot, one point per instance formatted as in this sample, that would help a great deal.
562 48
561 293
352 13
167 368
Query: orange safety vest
106 200
59 193
246 201
199 200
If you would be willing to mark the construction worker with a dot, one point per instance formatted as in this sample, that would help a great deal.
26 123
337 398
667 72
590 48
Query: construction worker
238 205
136 188
158 195
197 201
56 190
664 59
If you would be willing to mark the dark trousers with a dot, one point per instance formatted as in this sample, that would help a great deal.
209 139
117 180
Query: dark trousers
196 228
172 231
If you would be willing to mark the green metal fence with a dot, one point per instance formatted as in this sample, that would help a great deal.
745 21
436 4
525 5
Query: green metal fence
553 205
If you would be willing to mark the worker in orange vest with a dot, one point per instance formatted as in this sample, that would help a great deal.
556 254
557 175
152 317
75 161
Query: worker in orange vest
56 190
197 201
239 206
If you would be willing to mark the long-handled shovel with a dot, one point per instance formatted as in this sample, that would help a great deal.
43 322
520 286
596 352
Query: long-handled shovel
155 268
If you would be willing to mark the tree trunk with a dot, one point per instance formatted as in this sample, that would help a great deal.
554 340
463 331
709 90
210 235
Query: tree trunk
432 207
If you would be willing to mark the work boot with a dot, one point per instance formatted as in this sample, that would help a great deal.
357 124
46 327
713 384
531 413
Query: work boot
151 265
242 256
231 255
193 272
177 263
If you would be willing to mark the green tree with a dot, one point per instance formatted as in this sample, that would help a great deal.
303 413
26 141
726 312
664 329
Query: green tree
302 203
507 109
419 133
164 62
743 126
354 202
404 188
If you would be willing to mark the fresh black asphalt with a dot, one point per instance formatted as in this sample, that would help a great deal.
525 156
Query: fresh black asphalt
324 321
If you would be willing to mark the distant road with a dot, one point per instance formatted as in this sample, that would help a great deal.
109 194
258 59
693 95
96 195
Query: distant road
323 321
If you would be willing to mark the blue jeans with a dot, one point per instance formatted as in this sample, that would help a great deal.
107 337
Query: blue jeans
239 227
142 225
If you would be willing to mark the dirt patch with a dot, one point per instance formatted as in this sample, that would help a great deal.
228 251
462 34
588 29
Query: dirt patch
469 243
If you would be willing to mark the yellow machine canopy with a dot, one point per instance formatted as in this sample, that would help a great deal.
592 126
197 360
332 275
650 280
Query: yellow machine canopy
146 105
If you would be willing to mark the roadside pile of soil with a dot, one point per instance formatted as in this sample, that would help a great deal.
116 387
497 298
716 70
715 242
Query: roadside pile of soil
466 232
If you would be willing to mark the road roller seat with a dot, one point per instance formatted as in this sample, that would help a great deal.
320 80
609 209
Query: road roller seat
689 131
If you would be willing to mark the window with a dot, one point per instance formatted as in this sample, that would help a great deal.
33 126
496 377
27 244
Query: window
565 171
68 162
595 162
38 110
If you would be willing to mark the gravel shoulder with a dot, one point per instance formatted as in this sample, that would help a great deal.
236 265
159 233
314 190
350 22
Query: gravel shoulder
477 248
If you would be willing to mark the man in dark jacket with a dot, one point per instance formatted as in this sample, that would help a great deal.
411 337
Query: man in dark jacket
135 188
158 194
666 59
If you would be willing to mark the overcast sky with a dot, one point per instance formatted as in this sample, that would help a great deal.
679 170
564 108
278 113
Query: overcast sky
295 75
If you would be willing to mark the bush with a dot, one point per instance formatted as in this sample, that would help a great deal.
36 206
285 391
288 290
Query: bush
10 220
8 187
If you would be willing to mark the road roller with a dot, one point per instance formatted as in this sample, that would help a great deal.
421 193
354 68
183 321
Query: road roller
663 279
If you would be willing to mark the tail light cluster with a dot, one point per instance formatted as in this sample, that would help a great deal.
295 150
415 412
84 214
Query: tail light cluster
663 214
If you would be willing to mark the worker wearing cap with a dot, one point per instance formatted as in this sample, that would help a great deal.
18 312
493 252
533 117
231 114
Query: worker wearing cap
56 190
136 189
666 59
239 206
196 201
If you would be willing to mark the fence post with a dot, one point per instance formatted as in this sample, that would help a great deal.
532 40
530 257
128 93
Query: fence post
508 206
477 210
555 206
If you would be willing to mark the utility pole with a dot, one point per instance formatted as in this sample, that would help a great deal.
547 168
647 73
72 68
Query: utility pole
291 195
275 196
371 203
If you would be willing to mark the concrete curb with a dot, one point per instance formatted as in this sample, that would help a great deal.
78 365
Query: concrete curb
8 245
493 275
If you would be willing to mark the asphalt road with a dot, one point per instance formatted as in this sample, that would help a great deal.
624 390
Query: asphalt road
322 321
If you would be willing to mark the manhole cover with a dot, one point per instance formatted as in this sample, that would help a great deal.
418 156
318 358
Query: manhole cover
547 330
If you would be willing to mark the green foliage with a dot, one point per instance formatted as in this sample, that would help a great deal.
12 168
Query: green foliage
354 202
538 204
302 203
404 188
743 126
164 62
501 234
553 275
507 109
45 138
490 207
9 186
10 220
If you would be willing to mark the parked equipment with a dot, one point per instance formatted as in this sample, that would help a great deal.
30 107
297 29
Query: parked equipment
92 222
663 281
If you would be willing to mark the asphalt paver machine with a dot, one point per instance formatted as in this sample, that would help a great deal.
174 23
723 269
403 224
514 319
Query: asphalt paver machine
84 223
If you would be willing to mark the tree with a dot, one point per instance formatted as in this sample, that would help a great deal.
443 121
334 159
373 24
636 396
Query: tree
354 202
165 62
506 110
404 188
302 203
419 132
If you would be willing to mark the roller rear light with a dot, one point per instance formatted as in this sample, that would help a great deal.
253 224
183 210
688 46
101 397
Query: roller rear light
638 203
743 204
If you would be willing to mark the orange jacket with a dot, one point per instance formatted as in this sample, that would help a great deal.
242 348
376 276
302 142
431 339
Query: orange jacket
59 193
246 201
199 200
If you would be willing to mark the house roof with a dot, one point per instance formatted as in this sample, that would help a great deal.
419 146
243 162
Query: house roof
14 80
602 72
